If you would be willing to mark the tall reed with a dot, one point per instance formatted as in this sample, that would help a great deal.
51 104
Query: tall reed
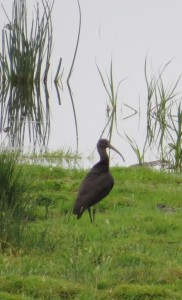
23 49
112 94
164 118
24 115
24 62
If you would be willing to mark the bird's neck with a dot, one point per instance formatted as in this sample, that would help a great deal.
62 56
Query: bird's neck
103 164
103 156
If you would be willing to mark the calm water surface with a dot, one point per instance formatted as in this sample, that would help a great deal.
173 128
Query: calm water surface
124 32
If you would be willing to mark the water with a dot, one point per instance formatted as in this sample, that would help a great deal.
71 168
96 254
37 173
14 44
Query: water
119 30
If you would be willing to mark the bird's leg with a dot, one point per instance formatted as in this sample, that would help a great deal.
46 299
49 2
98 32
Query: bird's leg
94 212
90 214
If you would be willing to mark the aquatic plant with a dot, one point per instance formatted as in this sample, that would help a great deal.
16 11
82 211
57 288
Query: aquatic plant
70 73
24 62
164 118
163 115
25 115
24 50
112 93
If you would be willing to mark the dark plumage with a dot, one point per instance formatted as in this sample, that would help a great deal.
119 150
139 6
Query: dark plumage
98 182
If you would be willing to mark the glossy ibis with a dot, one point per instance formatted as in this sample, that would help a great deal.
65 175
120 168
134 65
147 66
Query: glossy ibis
98 182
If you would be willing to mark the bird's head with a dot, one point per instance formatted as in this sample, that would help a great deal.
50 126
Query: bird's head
104 143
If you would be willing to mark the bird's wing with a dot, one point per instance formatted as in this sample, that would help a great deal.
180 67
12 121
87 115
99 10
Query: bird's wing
94 188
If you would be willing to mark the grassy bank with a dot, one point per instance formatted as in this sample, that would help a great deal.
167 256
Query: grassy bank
132 251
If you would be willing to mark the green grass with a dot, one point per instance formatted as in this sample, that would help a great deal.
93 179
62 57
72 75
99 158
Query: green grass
132 251
16 202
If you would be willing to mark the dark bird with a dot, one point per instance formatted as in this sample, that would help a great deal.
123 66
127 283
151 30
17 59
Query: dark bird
97 184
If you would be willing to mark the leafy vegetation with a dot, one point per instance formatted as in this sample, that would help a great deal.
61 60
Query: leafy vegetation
16 203
132 251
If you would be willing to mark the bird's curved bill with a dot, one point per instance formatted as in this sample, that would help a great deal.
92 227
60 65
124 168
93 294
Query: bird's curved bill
113 148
